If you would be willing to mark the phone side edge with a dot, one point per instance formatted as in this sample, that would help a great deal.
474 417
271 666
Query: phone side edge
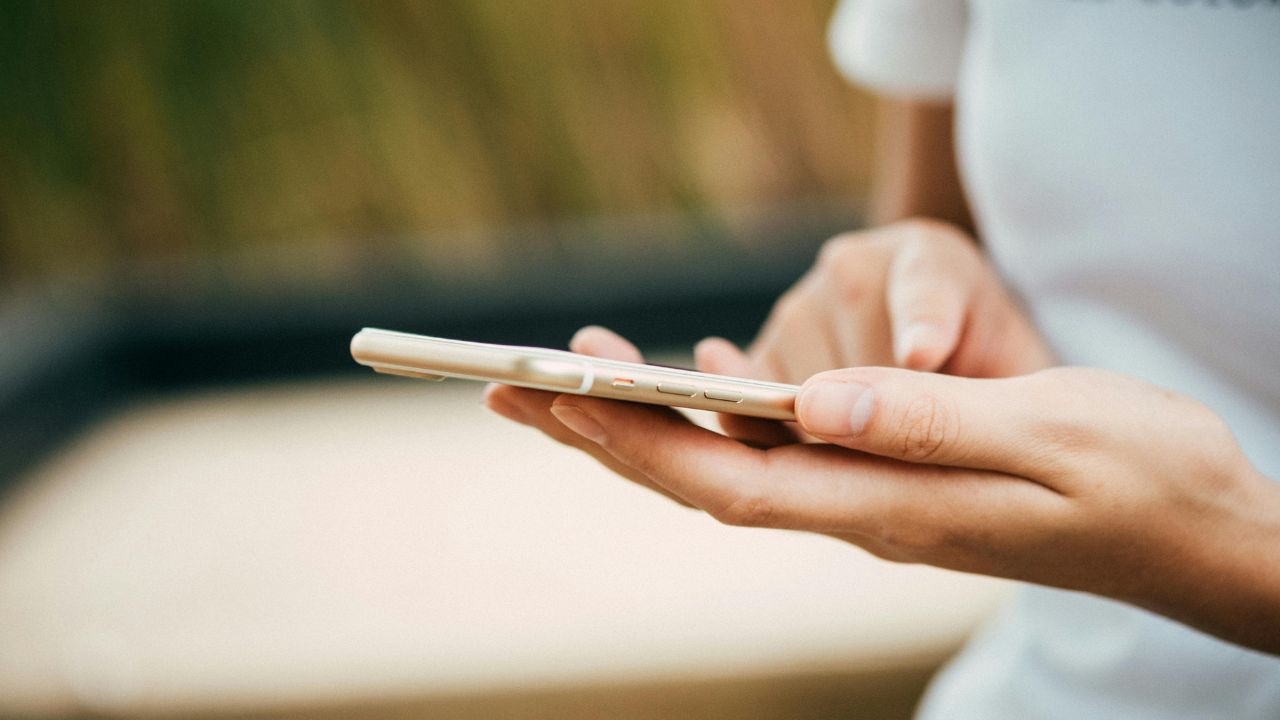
689 389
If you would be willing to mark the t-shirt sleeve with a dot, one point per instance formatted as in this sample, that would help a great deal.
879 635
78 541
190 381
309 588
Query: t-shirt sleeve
907 48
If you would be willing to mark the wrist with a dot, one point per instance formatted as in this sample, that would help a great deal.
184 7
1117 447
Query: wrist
1225 578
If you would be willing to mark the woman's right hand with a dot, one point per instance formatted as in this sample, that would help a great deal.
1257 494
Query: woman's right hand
917 294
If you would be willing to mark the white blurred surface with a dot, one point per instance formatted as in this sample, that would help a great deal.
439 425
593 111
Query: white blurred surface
345 539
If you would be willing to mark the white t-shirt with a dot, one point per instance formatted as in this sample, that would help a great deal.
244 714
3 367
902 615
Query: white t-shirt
1122 158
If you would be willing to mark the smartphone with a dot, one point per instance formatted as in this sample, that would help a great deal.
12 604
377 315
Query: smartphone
430 358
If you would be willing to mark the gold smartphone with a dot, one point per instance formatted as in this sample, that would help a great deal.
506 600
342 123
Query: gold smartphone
431 358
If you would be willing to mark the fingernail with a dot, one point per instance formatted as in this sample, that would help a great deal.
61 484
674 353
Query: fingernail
838 408
579 422
915 337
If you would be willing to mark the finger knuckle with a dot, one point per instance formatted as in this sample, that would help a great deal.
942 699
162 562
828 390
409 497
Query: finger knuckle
857 283
852 264
916 540
836 251
925 429
748 509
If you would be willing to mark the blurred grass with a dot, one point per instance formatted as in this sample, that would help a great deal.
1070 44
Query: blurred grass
249 140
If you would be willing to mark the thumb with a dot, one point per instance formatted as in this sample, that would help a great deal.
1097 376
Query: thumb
925 417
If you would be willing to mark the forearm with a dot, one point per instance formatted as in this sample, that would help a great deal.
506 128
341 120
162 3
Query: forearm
1227 577
917 174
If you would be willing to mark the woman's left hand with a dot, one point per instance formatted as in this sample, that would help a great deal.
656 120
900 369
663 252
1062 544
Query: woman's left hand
1075 478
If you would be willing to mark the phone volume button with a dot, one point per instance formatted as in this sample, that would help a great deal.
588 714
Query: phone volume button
724 395
677 389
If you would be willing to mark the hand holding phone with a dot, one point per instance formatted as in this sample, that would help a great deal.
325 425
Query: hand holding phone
430 358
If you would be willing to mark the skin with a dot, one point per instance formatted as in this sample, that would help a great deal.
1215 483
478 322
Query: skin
933 428
916 170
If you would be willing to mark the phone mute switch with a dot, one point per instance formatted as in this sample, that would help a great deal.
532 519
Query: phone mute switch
724 395
677 389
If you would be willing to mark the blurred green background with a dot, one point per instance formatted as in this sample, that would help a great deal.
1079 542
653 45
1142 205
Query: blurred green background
205 192
246 144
